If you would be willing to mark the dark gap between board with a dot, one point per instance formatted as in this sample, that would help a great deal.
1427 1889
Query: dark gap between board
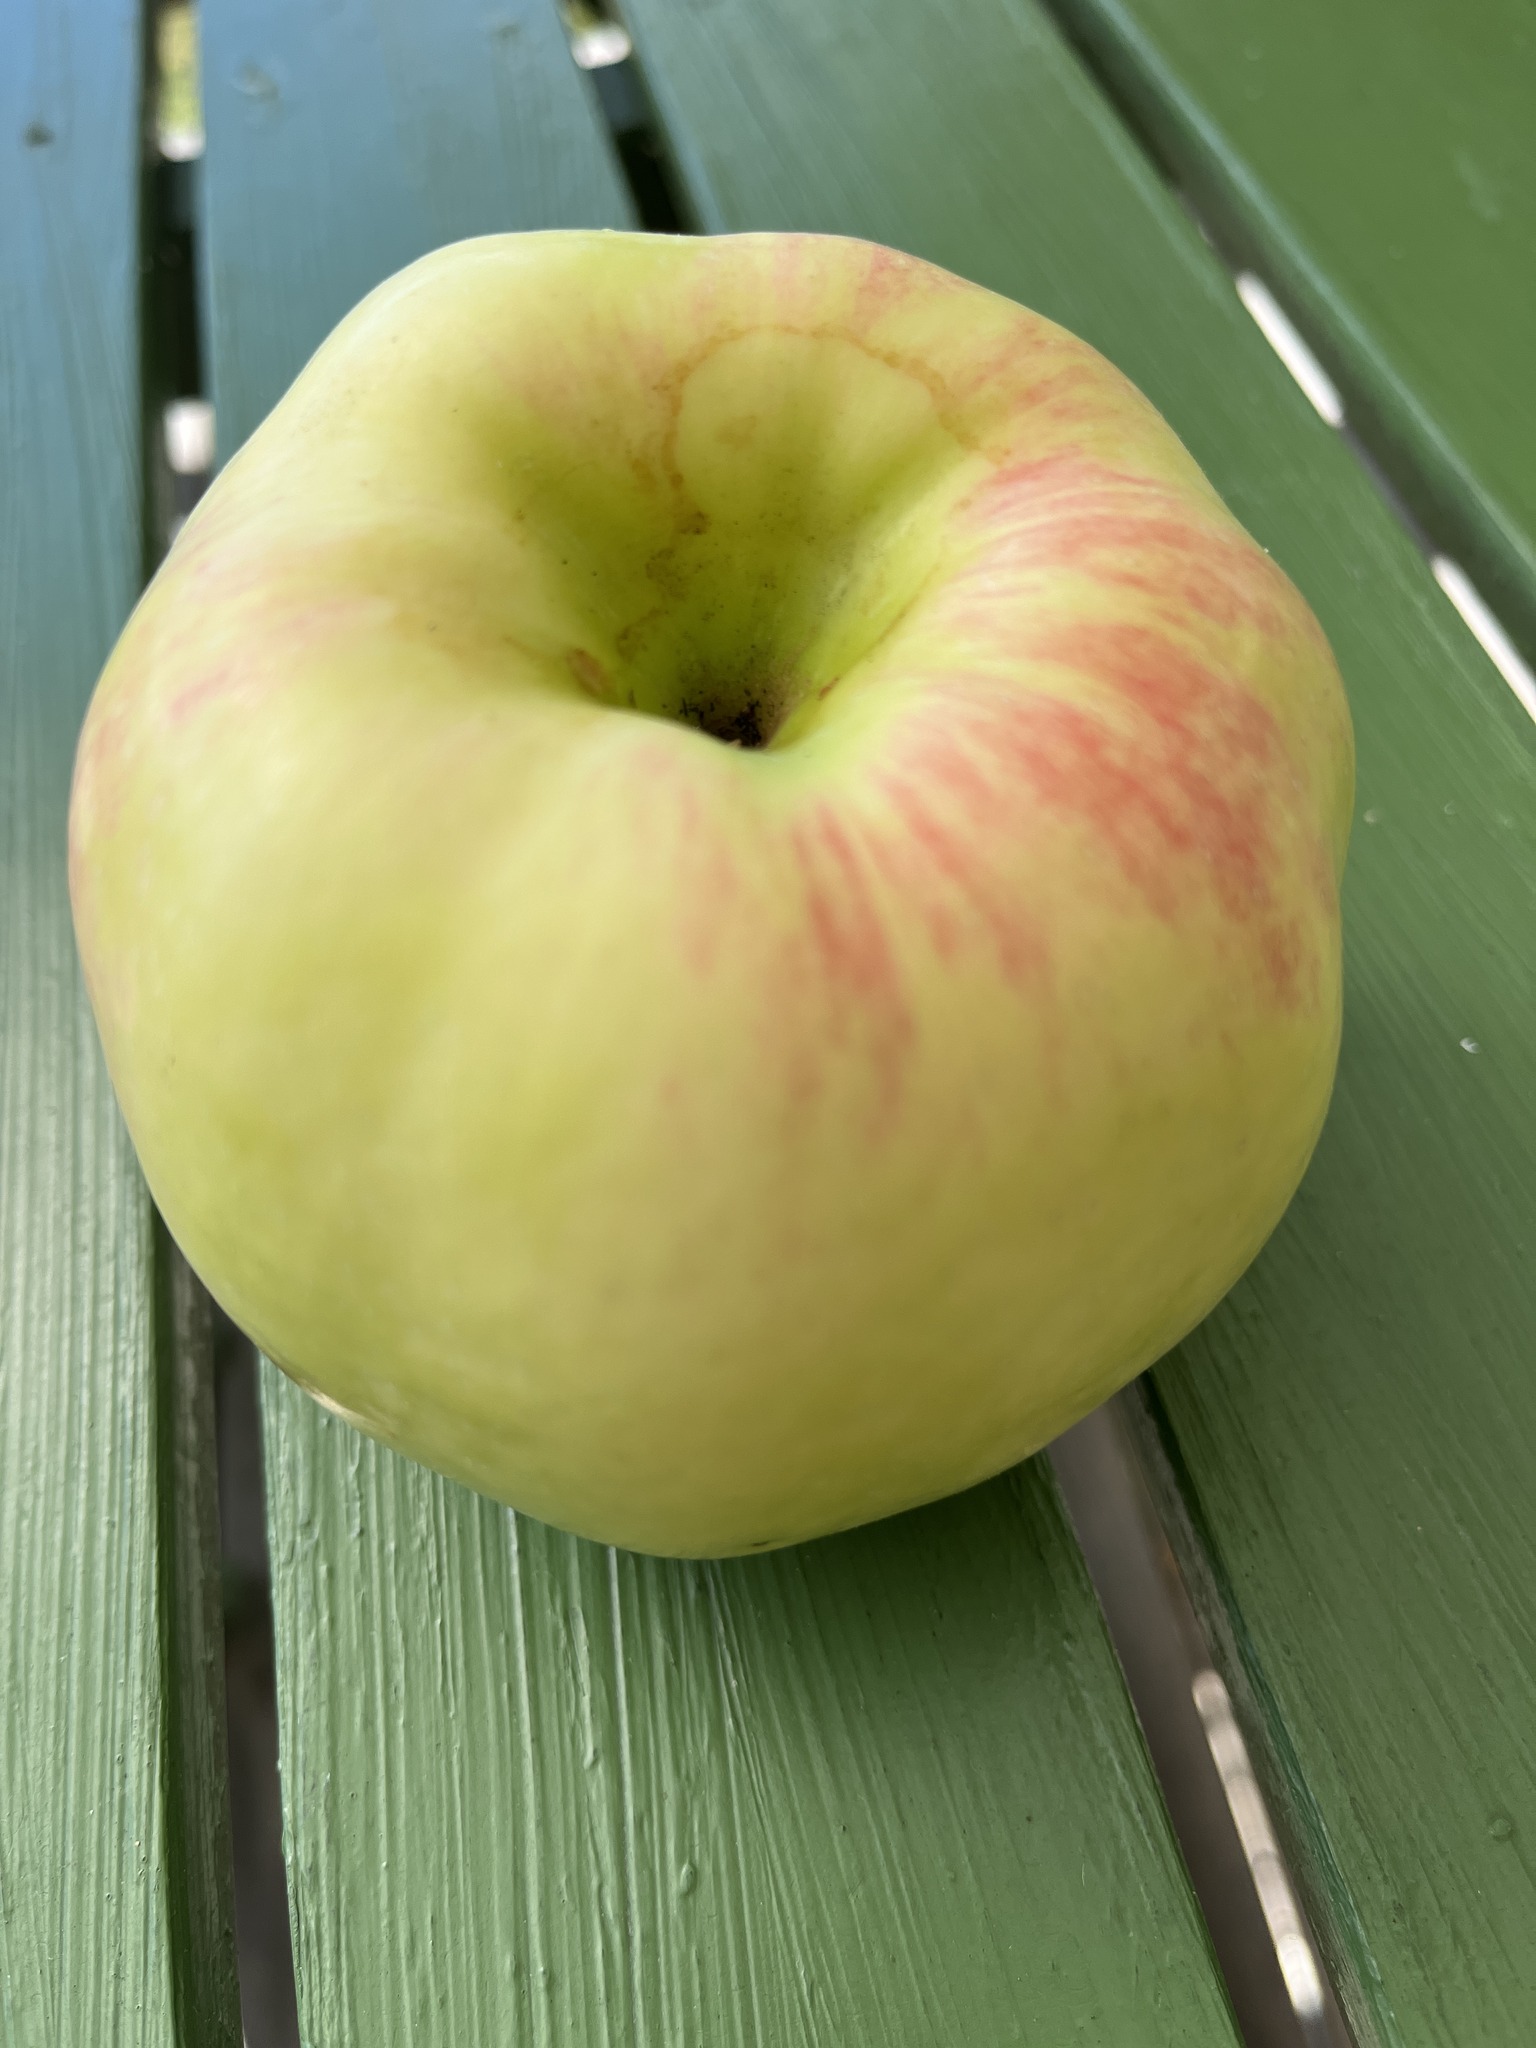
602 51
1168 1663
178 461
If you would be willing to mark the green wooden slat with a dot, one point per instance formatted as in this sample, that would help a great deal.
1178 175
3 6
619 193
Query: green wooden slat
347 140
886 1790
1358 1422
1376 159
877 1792
115 1920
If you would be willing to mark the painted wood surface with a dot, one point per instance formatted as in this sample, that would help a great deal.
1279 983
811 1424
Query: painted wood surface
114 1892
1357 1425
1378 166
882 1790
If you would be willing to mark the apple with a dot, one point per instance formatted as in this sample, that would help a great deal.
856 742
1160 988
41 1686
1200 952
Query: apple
709 878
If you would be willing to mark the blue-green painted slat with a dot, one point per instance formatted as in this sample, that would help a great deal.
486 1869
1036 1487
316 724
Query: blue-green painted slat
114 1889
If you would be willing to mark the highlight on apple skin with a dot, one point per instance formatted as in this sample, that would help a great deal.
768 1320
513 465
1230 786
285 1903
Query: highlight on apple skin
710 881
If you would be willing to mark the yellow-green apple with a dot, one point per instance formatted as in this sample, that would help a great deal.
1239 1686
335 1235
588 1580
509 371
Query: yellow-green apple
709 878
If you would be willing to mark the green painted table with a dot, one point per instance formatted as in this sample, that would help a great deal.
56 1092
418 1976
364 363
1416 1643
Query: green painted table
886 1789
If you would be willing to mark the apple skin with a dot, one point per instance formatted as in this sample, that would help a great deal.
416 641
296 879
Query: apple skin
704 1146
